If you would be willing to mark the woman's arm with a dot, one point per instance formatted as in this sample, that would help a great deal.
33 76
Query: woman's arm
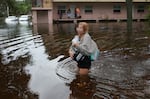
85 45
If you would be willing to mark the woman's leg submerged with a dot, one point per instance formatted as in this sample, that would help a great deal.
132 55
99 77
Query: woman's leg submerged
83 71
84 66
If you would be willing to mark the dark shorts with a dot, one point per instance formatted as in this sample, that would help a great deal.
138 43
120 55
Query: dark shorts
84 63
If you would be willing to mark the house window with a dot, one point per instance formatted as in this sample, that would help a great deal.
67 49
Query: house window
37 3
117 9
88 9
140 8
61 9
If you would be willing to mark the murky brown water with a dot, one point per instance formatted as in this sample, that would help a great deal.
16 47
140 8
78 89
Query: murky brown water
29 67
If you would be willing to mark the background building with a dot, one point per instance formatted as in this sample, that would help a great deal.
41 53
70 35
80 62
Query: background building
45 11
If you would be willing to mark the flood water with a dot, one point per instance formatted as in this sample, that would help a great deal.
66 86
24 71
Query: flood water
30 66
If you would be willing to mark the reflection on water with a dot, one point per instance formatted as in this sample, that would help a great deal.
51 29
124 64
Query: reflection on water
83 87
32 66
44 80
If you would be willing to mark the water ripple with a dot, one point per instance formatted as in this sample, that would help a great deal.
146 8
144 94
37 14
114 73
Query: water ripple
12 49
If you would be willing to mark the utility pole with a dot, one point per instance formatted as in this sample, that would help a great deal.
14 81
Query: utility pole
129 15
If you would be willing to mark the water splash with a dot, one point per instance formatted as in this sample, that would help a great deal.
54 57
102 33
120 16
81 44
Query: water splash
67 69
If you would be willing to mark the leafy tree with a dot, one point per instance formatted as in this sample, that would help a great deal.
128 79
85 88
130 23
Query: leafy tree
23 7
15 8
5 4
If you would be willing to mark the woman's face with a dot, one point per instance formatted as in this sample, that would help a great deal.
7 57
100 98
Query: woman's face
80 30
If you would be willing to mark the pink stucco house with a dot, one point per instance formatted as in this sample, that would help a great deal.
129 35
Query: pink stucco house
48 11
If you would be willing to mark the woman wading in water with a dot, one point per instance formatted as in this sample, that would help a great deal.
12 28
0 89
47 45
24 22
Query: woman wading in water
82 47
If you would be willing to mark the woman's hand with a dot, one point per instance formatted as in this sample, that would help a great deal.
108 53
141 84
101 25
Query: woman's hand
75 44
71 54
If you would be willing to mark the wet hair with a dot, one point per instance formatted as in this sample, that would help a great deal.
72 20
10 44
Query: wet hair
85 26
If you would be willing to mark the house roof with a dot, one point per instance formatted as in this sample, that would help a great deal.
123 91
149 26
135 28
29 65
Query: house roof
99 0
